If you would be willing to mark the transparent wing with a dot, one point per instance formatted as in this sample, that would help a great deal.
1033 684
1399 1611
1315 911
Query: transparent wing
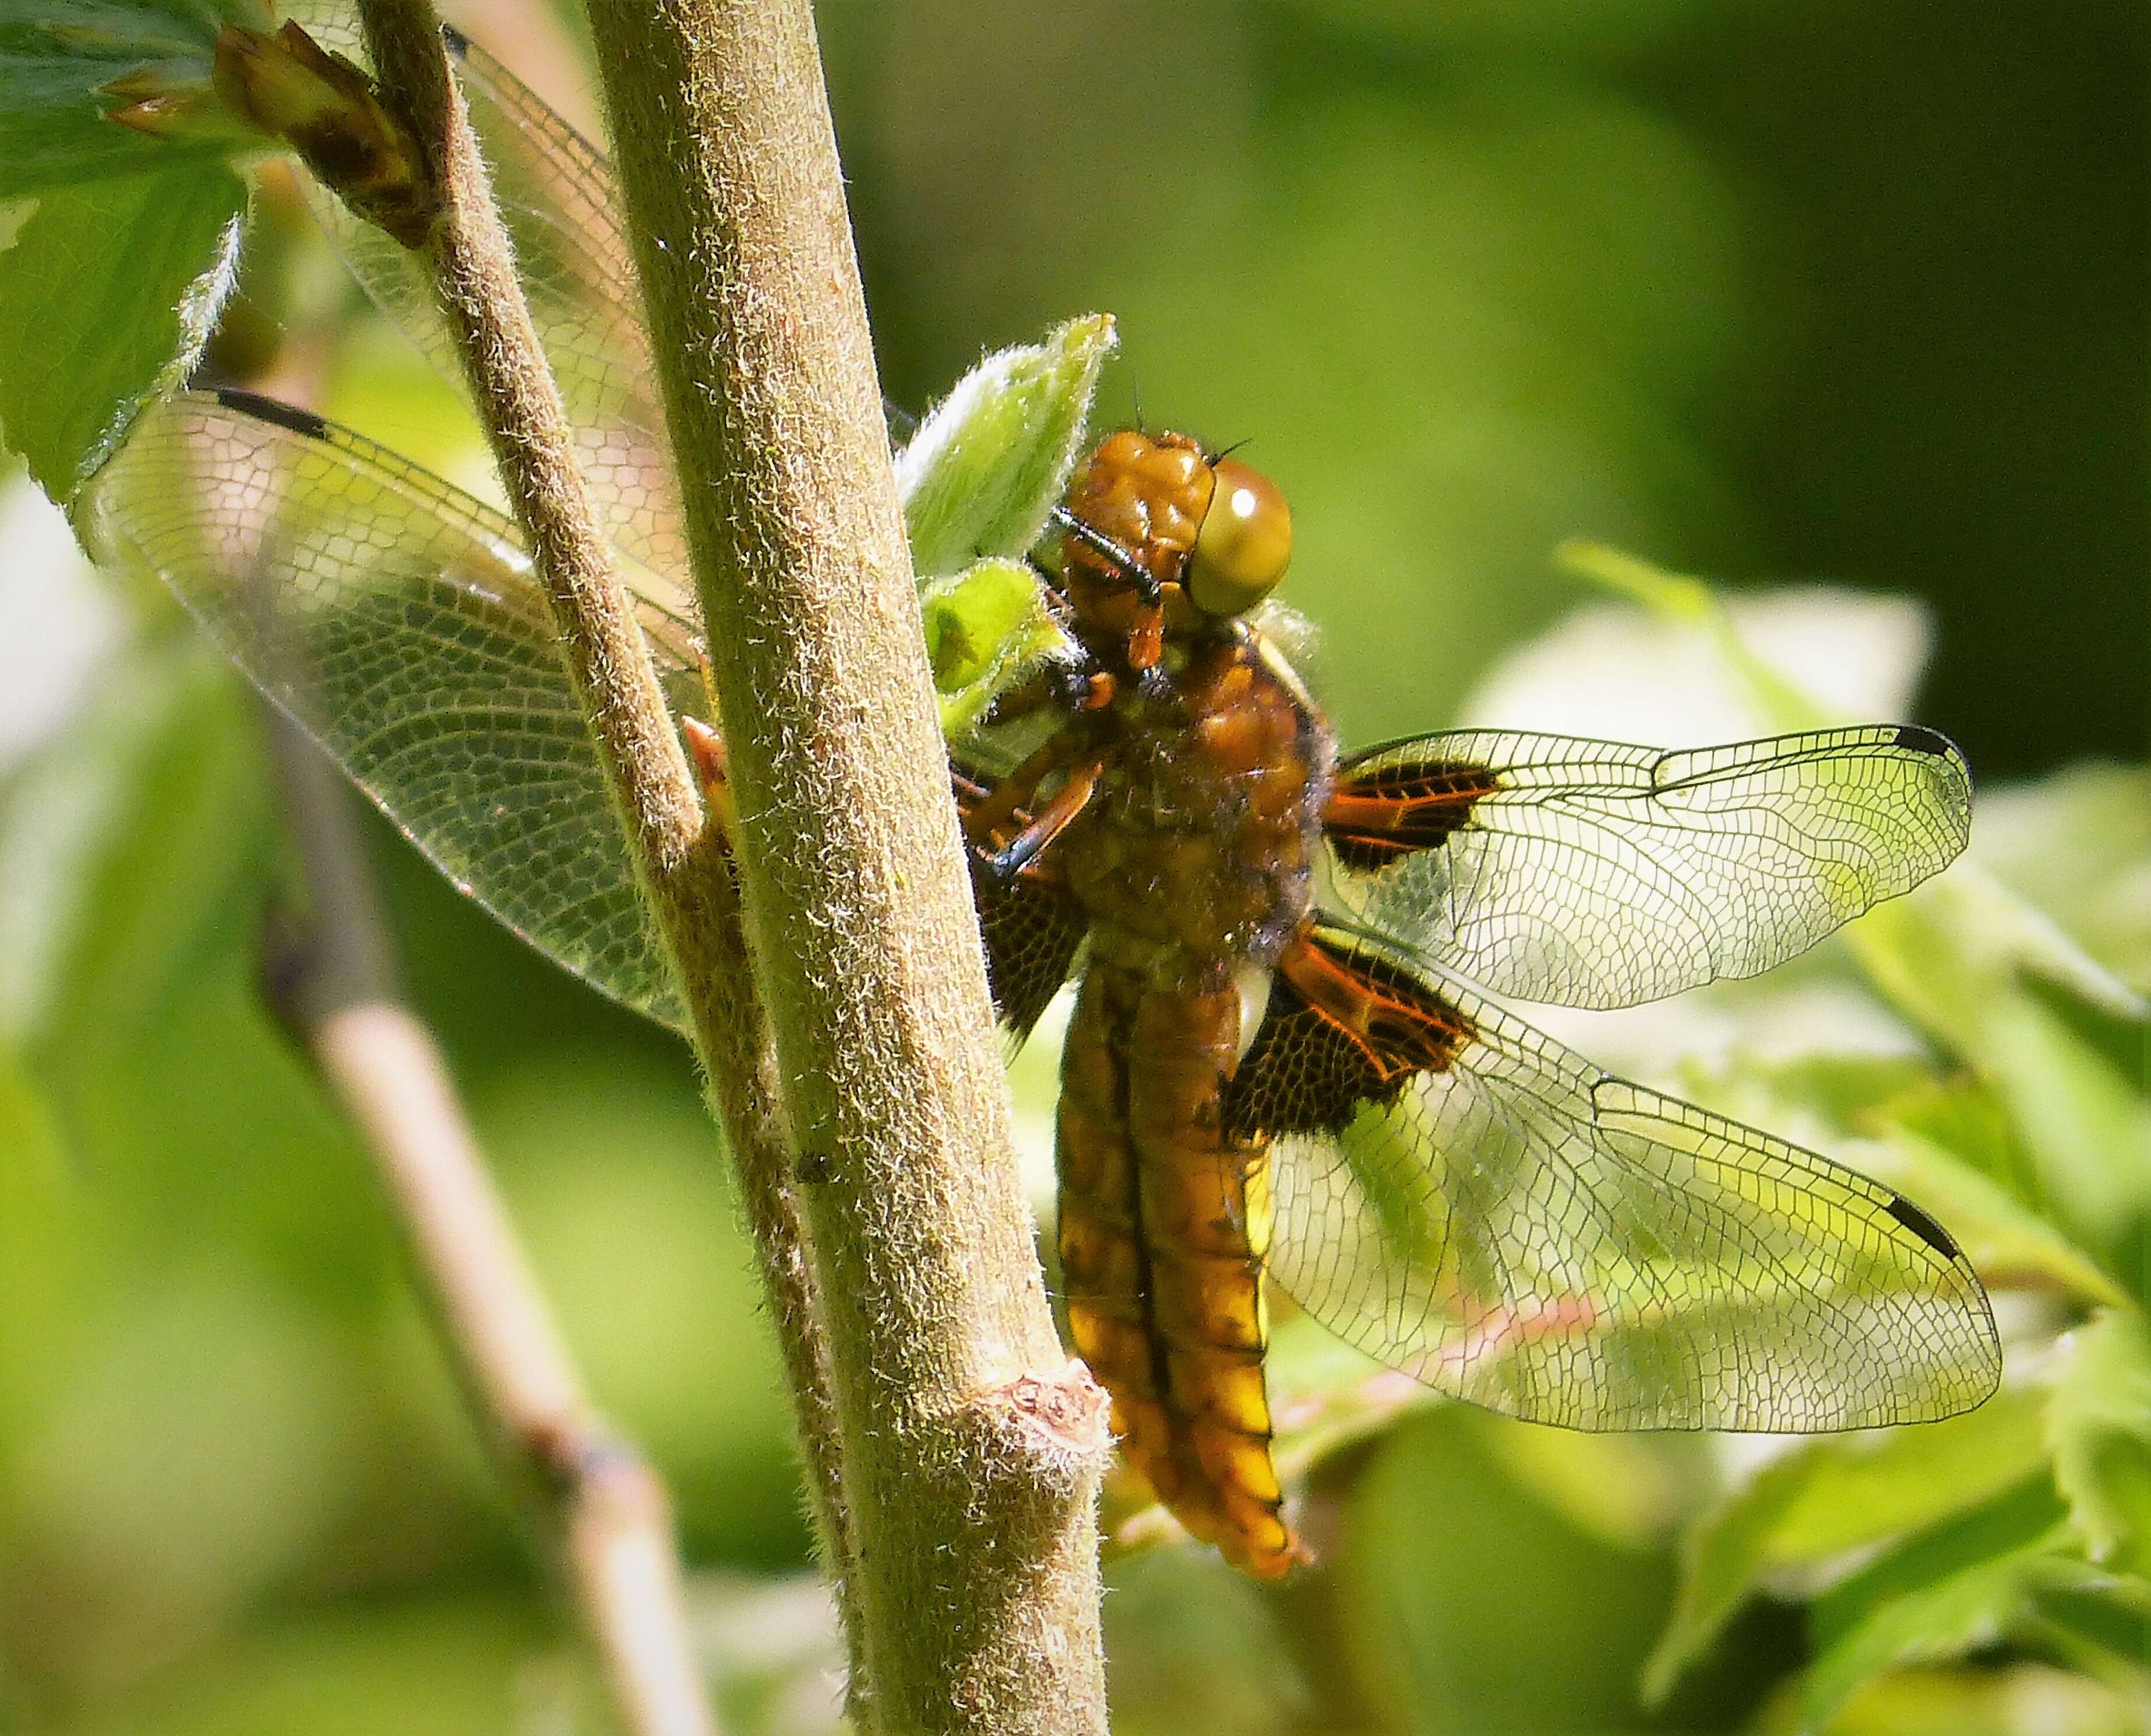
1521 1230
556 191
397 620
1598 875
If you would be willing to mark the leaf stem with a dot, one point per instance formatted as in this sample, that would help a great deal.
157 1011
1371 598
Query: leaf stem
683 861
602 1511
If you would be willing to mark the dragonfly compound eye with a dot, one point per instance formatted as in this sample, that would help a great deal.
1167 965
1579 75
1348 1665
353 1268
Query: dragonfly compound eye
1243 545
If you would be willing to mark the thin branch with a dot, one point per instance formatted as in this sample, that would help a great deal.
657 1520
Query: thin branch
682 861
971 1445
601 1509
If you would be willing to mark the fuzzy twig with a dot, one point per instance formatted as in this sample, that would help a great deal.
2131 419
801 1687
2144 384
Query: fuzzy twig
682 860
971 1446
601 1509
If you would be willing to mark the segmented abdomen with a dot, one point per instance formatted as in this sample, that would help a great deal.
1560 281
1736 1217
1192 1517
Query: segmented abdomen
1164 1223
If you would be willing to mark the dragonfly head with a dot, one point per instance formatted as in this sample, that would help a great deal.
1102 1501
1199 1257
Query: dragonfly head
1156 529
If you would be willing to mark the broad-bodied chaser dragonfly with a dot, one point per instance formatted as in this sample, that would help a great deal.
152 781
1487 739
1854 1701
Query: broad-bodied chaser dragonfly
1284 1063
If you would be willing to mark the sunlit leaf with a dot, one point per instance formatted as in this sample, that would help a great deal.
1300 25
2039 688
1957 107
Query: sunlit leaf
1680 600
2099 1425
2027 1516
1957 1613
2078 845
2104 1628
1677 664
987 466
1833 1494
2012 1244
106 298
1956 955
1968 1699
985 627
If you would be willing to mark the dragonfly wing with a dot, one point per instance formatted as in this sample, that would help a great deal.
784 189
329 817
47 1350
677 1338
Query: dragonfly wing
397 619
1485 1210
1032 930
556 193
1598 875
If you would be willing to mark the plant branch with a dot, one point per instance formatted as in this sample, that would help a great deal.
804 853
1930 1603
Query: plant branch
601 1509
971 1445
683 861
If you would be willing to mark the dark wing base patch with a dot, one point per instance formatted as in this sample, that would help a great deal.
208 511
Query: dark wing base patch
1032 927
1345 1028
1389 809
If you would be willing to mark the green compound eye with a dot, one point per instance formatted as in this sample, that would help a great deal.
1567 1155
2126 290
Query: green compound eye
1243 545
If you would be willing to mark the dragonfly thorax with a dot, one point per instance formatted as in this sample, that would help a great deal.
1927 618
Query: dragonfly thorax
1197 849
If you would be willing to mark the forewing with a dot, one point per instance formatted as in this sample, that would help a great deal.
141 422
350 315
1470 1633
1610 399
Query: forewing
397 620
556 193
1598 875
1521 1230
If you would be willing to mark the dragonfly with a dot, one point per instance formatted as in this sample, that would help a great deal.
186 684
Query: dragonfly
1291 1059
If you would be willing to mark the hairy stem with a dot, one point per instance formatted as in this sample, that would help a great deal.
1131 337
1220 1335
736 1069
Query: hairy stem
971 1446
683 861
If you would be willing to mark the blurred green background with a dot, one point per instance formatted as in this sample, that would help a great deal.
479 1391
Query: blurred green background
1781 291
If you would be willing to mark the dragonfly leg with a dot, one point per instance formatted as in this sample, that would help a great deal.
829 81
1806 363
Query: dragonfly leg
1061 686
989 813
1051 820
705 747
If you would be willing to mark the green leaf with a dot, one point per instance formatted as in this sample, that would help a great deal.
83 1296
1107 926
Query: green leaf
1958 955
2104 1629
2043 1022
106 297
1832 1495
2075 844
58 62
2028 1516
1975 1607
1722 1557
1682 600
1867 1487
987 466
985 627
2098 1423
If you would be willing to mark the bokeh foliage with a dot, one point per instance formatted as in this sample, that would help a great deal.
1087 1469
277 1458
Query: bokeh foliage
1799 288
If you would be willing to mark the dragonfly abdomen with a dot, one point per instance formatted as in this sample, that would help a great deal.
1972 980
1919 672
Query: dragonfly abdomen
1164 1224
